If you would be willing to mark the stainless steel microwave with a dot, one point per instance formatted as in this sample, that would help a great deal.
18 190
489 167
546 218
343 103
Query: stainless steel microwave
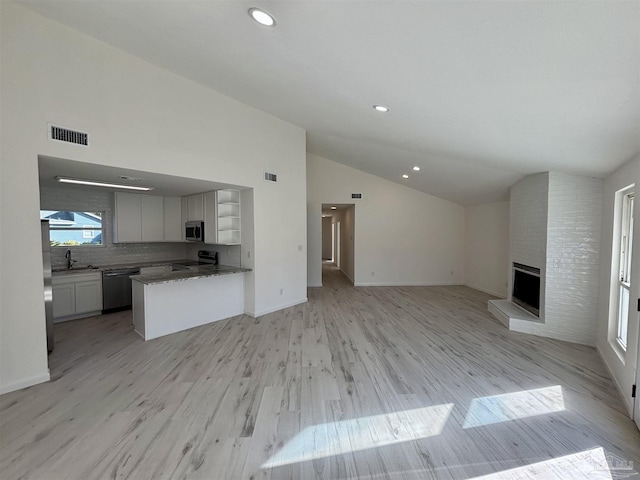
194 231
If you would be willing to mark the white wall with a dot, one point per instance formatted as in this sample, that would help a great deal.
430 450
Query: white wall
139 117
621 365
487 248
402 236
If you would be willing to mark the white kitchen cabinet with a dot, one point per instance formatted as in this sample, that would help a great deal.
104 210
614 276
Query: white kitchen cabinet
227 218
147 218
210 235
195 208
89 296
173 223
152 218
222 217
64 299
76 295
127 218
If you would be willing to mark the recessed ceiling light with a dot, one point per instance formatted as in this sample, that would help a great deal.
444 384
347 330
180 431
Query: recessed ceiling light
334 208
93 183
416 169
404 175
262 17
380 108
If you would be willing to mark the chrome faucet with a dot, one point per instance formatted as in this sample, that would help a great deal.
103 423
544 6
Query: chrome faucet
70 262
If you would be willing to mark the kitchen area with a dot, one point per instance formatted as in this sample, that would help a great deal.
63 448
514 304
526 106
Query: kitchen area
111 245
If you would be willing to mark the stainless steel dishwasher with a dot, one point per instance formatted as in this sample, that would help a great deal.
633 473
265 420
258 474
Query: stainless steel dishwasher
116 288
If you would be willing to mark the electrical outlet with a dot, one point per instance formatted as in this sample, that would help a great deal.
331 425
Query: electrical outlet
281 291
248 253
556 263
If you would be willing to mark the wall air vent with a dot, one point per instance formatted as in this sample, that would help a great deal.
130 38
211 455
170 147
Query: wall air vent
356 195
67 135
270 177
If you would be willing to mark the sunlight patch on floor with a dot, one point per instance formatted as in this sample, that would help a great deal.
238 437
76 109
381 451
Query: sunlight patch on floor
337 438
590 464
513 406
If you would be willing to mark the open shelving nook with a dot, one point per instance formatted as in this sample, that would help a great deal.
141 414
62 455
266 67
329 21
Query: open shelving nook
228 217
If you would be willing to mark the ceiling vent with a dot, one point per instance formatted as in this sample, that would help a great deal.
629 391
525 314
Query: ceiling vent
67 135
356 195
270 177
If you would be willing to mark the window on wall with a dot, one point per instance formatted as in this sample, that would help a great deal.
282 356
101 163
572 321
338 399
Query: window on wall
67 229
624 214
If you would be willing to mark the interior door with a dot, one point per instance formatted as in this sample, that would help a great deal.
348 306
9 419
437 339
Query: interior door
636 405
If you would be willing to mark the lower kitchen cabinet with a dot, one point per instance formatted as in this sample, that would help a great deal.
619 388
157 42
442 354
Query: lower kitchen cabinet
76 295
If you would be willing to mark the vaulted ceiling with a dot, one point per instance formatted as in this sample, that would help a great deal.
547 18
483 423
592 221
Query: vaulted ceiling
480 92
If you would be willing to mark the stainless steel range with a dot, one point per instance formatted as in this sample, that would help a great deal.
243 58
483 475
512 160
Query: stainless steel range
205 257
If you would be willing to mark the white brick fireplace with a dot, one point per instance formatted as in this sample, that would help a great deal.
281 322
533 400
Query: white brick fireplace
554 226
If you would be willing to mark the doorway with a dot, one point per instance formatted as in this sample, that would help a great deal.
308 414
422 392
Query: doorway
338 237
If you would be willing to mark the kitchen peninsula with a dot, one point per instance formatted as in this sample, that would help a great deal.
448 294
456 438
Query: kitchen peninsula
170 302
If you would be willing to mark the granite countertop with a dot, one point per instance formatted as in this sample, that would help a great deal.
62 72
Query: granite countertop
188 274
106 268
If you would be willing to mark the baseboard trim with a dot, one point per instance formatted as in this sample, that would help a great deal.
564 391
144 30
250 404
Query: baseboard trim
314 285
627 401
350 279
25 383
276 309
484 290
406 284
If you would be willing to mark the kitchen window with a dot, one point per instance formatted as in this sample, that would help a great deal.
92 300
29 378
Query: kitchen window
70 229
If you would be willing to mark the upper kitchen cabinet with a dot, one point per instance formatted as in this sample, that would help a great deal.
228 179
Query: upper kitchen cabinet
127 218
146 218
173 224
195 208
152 213
222 217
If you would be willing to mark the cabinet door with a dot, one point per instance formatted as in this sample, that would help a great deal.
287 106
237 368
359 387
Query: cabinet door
127 218
64 300
173 224
195 208
88 296
210 217
152 218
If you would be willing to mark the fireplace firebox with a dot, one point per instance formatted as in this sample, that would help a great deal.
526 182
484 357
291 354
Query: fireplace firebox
526 287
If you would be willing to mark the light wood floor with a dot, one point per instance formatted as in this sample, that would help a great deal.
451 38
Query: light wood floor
368 383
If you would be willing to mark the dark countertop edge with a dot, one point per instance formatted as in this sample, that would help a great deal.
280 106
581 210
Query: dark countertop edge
168 277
